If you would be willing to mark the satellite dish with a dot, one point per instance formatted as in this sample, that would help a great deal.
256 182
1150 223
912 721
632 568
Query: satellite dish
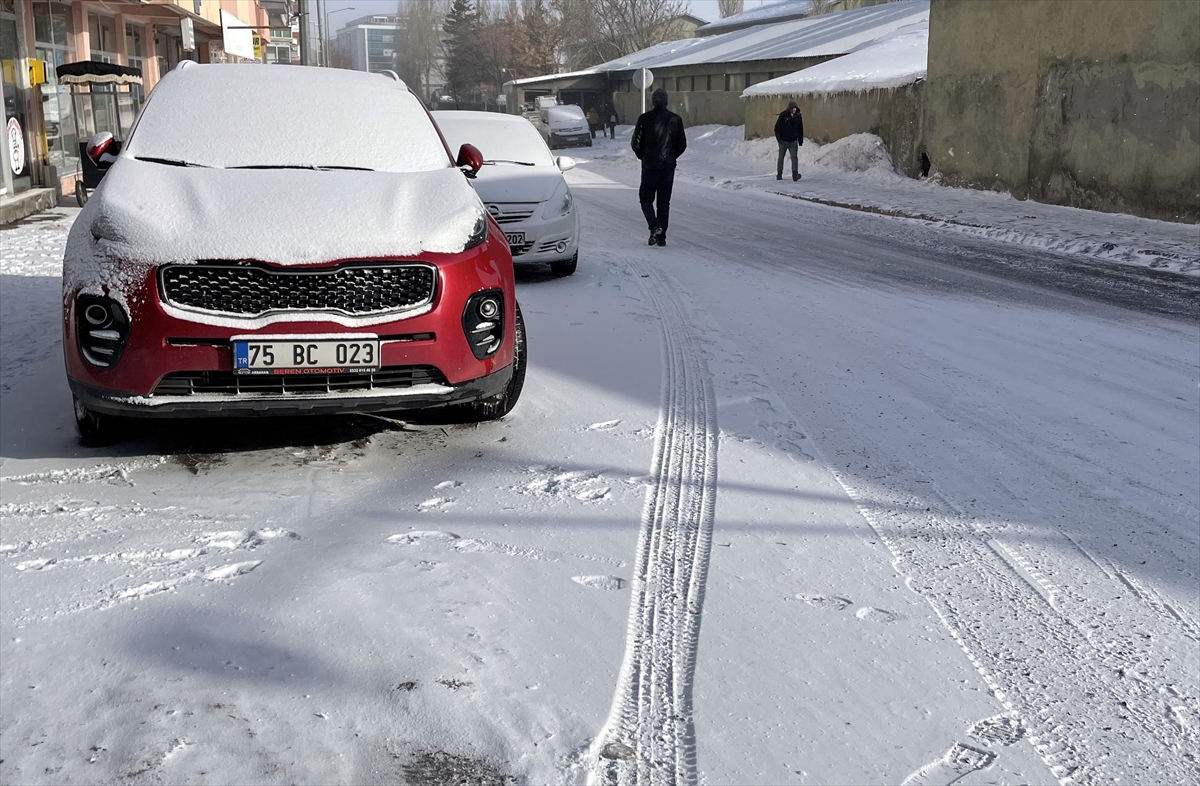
643 78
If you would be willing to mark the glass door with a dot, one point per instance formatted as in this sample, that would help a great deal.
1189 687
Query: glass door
16 153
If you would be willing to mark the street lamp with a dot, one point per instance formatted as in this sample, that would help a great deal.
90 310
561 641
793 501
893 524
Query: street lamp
329 32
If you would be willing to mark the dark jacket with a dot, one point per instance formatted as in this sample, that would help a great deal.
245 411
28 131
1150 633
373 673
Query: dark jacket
658 138
789 128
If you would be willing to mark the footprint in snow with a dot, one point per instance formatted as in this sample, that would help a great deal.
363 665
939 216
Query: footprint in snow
958 762
830 602
591 495
600 582
447 484
606 425
998 730
422 536
436 503
232 571
870 614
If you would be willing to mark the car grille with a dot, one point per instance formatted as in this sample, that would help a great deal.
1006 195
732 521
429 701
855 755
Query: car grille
517 251
252 290
510 214
188 383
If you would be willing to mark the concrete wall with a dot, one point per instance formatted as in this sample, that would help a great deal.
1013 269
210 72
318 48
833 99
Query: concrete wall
1089 103
893 115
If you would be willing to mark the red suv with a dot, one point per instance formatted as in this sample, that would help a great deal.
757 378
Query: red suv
286 240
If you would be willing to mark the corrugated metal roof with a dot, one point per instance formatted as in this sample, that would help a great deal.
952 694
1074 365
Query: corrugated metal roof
815 36
786 9
826 35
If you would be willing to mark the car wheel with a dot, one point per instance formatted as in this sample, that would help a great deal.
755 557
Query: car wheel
80 193
501 404
96 429
565 267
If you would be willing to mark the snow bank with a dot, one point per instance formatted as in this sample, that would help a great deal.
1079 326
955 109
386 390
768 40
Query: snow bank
854 153
891 61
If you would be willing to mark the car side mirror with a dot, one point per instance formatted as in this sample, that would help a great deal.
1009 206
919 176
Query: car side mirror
98 145
565 163
470 158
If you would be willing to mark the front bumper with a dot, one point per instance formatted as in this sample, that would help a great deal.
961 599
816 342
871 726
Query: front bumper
542 237
217 405
571 140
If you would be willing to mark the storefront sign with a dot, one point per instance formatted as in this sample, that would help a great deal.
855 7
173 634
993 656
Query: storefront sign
16 146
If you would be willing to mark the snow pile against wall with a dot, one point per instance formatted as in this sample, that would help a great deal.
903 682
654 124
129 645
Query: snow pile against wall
894 60
854 153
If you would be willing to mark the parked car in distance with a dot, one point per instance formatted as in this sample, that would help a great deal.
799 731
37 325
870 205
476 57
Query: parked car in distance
521 185
564 126
286 240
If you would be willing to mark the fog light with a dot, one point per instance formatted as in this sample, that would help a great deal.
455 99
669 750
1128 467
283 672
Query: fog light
489 308
483 322
102 330
561 247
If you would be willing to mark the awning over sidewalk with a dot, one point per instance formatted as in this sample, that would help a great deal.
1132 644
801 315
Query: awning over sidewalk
91 72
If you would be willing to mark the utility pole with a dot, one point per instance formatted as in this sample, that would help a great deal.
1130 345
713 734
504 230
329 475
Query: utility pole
305 55
321 61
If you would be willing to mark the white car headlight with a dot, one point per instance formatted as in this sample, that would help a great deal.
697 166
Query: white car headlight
559 204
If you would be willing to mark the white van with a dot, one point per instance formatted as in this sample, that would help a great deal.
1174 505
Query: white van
564 126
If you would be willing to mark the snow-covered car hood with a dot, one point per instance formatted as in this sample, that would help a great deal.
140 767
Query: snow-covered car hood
511 183
152 213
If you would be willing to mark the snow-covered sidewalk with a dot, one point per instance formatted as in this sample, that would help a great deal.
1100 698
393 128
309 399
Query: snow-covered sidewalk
856 172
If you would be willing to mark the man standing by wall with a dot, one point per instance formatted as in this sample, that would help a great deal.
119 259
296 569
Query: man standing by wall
789 132
658 140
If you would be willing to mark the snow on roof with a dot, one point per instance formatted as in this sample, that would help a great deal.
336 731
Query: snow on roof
894 60
814 36
260 115
773 12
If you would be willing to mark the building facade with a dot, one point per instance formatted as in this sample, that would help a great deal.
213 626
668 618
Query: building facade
46 121
369 42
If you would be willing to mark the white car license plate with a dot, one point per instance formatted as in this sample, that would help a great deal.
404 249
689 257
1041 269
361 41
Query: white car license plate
305 354
515 238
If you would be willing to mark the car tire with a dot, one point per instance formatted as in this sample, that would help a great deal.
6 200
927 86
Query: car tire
565 267
80 193
96 430
501 404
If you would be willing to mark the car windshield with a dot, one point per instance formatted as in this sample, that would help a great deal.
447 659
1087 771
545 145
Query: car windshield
565 114
502 139
272 117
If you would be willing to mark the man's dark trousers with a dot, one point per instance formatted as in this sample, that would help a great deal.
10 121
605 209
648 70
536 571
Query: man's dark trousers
785 148
656 183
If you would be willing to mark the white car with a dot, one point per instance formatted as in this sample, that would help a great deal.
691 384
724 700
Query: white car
521 185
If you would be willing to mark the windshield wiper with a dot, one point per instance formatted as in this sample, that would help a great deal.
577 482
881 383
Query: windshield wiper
508 161
169 161
312 167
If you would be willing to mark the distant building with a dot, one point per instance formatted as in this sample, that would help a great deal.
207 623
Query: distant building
370 42
684 26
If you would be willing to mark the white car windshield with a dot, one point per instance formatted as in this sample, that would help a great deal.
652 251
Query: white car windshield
566 114
501 138
285 117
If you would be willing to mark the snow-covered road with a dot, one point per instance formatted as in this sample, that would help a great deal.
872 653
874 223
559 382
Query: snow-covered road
808 496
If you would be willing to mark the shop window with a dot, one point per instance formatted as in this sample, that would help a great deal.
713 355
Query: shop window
103 37
133 42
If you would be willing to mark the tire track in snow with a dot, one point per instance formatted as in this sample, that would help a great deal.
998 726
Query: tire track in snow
649 737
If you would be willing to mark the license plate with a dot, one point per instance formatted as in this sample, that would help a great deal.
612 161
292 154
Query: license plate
515 238
305 354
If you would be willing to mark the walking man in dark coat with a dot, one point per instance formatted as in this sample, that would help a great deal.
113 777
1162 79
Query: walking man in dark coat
658 140
789 132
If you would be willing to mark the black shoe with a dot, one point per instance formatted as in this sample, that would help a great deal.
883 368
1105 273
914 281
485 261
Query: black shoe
795 177
653 241
779 177
662 238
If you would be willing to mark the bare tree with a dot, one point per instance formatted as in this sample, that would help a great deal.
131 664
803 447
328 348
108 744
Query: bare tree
730 7
419 51
597 30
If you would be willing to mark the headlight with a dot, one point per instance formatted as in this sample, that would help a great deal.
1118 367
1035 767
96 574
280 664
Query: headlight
478 233
559 204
